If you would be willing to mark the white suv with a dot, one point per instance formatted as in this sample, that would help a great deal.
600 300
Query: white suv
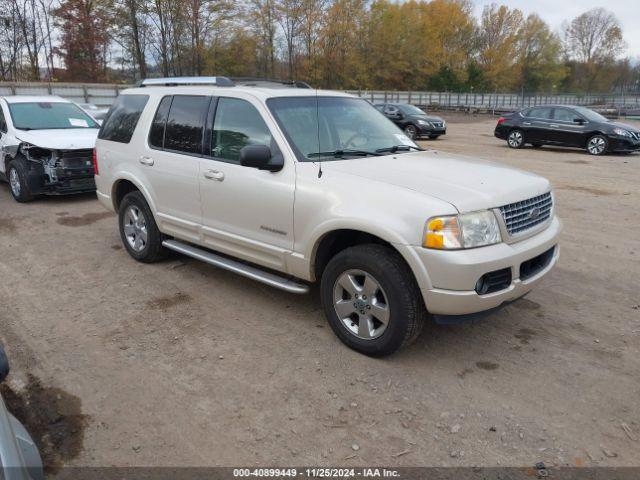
290 186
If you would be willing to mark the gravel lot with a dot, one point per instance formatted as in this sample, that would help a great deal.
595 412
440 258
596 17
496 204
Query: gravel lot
182 364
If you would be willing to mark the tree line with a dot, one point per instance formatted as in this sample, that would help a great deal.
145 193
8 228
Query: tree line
347 44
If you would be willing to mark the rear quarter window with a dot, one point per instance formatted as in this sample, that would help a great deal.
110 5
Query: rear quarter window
122 118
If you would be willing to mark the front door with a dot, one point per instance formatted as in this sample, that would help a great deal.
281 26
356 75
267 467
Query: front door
566 130
246 212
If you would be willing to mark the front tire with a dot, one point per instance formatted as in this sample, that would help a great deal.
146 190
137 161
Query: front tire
371 300
433 137
597 145
515 139
411 131
138 229
17 176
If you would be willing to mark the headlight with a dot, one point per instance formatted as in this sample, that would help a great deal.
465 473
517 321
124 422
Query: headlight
468 230
621 132
423 122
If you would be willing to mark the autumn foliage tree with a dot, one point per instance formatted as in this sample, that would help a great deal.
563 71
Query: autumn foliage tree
84 40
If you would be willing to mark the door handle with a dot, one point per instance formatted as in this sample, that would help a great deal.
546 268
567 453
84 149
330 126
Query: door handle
526 123
214 175
146 161
553 125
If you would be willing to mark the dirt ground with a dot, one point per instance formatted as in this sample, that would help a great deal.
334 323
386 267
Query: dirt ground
182 364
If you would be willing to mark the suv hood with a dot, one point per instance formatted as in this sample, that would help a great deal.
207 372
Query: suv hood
466 183
60 139
624 126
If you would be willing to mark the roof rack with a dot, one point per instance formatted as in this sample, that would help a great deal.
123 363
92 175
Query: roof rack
268 82
174 81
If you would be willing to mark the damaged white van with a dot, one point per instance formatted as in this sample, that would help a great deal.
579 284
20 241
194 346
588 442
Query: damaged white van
46 146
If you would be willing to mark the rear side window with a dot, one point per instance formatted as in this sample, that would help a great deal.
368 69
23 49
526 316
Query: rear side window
156 134
185 124
122 118
564 115
540 112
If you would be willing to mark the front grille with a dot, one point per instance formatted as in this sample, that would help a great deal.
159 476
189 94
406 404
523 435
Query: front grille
635 135
76 158
437 124
532 267
494 281
522 216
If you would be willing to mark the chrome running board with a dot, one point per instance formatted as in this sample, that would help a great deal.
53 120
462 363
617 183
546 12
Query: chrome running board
234 266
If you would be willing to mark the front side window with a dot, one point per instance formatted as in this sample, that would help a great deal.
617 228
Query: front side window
185 124
336 127
122 118
411 110
49 115
237 124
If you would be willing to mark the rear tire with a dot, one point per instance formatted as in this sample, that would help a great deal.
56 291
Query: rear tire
17 175
138 229
597 145
515 139
381 307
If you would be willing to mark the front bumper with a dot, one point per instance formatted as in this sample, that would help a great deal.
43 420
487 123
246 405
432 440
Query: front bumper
69 180
623 144
425 131
448 279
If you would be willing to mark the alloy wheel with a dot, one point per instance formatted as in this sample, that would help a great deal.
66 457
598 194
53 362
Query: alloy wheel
361 304
410 131
515 139
14 181
135 228
596 145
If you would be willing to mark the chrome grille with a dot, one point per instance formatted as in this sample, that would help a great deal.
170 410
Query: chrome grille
522 216
635 135
437 124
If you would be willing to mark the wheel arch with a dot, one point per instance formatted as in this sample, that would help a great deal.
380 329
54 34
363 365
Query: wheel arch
333 241
126 184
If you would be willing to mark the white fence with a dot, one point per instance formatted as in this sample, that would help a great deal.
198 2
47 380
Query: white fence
104 95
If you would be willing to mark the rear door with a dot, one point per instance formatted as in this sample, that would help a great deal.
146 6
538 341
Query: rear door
537 125
566 130
246 212
171 162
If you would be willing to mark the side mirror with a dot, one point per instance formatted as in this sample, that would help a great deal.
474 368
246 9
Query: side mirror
579 121
4 365
259 156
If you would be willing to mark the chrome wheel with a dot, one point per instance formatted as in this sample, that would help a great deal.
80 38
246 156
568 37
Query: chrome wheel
135 228
597 146
14 181
361 304
410 131
515 139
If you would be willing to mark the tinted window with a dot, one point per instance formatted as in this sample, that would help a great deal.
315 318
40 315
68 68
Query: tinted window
236 125
122 118
539 112
156 134
185 123
564 115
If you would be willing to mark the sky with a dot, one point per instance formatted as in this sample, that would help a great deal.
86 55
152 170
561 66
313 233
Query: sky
555 12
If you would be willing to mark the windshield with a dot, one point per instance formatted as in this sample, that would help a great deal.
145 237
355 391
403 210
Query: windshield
335 127
49 115
590 115
410 110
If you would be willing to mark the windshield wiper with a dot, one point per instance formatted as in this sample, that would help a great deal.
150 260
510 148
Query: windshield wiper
343 152
399 148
